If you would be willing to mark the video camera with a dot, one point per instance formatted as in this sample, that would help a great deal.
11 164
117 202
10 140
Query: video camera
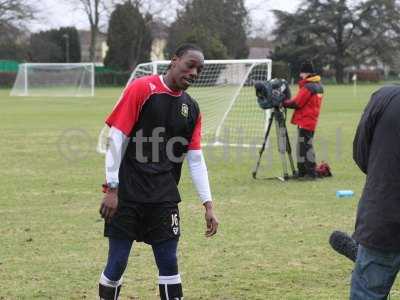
272 93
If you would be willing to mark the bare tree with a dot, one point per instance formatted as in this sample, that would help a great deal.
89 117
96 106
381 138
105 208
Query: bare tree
261 20
161 10
98 12
14 13
93 10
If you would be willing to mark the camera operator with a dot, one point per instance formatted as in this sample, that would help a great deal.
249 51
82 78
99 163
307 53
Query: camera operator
307 105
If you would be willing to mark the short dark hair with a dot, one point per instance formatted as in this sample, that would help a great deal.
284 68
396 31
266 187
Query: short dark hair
182 49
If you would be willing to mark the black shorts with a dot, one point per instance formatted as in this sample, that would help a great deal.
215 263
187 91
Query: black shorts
149 223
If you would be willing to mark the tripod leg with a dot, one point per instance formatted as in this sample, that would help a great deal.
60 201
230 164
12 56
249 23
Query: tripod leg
263 145
282 143
289 152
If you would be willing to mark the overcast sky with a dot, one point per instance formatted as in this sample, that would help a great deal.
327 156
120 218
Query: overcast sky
60 13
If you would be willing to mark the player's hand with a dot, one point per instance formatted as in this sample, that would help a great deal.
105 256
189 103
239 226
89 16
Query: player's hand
109 205
211 219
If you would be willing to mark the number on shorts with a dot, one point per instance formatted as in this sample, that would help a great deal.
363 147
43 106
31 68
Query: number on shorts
175 221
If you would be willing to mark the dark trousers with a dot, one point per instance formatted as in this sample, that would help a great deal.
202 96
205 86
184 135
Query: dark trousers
305 153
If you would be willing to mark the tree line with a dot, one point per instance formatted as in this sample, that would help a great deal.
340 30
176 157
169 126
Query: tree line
334 34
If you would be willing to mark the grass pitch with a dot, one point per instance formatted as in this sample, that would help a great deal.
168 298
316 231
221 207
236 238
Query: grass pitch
273 237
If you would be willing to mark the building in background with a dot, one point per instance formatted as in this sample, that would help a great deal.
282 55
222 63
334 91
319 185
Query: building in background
259 48
159 32
100 49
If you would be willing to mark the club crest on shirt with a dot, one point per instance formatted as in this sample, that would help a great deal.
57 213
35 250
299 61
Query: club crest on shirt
185 110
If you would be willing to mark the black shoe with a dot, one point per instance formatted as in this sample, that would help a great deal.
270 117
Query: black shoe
109 293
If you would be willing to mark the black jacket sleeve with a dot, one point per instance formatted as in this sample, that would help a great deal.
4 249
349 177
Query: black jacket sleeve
362 142
366 127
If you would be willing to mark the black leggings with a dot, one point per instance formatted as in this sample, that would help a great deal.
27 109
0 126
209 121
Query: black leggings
164 254
305 153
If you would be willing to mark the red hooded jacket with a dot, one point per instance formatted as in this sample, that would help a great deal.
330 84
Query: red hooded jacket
307 103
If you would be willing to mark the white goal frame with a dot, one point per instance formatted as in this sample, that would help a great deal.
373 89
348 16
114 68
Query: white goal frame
153 68
255 62
24 69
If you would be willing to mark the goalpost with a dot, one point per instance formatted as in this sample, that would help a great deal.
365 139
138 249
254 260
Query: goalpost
226 96
54 79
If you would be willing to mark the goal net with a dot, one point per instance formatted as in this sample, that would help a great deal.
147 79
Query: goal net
226 96
54 79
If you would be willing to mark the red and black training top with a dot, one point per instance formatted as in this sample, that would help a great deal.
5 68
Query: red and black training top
162 125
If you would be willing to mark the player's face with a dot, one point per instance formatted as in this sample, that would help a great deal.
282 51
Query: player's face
304 75
186 69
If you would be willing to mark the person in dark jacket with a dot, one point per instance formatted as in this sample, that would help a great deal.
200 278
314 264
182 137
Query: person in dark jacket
376 151
307 105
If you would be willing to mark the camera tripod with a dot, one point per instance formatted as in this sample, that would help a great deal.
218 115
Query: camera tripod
283 143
